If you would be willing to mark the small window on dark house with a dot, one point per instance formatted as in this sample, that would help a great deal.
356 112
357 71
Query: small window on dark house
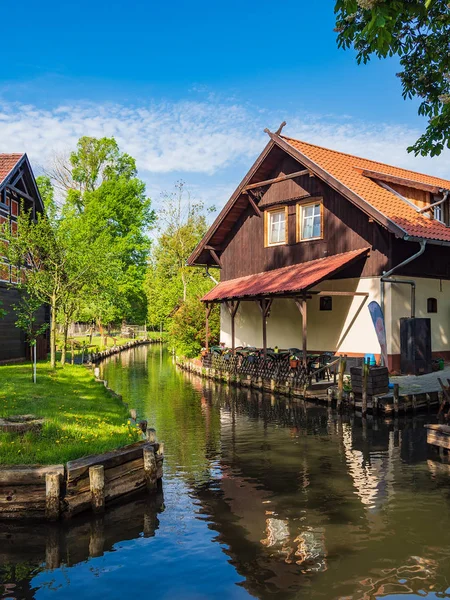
326 303
432 305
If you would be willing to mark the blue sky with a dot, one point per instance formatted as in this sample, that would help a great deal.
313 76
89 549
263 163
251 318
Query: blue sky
188 88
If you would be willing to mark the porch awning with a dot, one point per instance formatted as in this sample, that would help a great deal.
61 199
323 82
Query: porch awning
292 279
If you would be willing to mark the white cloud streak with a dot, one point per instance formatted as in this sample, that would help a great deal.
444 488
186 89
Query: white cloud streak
205 142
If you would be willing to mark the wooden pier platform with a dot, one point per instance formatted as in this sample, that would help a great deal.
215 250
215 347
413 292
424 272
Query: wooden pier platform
438 435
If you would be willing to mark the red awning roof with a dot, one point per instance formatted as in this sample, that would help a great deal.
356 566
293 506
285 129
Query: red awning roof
291 279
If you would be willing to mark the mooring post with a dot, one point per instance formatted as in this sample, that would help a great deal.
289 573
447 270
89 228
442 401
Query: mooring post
97 486
52 493
396 395
364 388
150 467
151 435
97 537
52 548
340 393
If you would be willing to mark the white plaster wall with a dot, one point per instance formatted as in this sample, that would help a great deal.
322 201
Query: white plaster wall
400 305
347 328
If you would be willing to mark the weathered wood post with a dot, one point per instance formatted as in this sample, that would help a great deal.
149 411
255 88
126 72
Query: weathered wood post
151 435
364 388
340 393
52 493
97 537
396 395
52 548
150 467
97 487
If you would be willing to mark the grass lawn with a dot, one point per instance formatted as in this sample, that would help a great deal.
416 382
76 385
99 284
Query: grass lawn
81 416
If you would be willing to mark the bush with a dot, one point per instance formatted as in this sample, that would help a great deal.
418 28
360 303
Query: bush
187 332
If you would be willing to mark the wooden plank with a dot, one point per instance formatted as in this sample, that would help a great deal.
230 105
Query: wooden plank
28 475
437 439
82 485
78 468
259 184
418 185
22 494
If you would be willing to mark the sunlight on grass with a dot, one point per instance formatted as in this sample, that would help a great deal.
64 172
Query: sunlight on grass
81 416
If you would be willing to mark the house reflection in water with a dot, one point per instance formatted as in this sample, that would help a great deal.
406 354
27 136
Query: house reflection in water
307 501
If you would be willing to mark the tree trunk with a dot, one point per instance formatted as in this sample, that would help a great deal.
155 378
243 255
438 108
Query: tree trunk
53 332
63 350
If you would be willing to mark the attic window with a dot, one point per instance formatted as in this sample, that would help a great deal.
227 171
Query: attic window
275 222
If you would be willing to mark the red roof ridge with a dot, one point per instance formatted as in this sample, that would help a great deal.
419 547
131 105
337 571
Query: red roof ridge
377 162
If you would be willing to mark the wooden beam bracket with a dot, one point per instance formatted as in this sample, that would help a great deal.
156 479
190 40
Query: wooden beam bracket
252 186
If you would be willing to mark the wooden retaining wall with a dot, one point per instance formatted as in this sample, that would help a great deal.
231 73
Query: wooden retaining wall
89 483
95 357
323 392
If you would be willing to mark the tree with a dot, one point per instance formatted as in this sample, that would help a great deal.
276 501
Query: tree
418 32
104 188
56 259
187 328
174 289
27 320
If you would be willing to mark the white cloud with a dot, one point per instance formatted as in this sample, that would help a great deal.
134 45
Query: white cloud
210 143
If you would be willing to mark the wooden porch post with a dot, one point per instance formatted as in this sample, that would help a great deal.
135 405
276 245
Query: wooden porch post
208 312
302 307
233 306
264 306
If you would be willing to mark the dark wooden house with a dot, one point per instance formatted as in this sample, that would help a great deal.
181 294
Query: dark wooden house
17 188
323 233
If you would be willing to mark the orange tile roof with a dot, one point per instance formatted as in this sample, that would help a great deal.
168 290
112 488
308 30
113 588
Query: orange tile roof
7 163
291 279
345 168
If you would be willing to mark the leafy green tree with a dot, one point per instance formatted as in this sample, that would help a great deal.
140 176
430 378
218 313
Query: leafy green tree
187 328
173 289
47 193
418 32
28 320
111 197
57 260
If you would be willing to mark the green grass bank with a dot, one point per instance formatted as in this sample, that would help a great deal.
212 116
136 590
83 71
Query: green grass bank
81 416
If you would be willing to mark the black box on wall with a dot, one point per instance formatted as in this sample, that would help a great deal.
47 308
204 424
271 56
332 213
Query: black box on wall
415 346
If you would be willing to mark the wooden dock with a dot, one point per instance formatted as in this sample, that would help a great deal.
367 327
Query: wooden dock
438 435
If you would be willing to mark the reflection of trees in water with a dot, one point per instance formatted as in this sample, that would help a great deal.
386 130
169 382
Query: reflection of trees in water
27 548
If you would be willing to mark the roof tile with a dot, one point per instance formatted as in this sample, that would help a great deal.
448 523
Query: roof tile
346 169
7 163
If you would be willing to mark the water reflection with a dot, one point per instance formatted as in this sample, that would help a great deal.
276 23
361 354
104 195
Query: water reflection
272 498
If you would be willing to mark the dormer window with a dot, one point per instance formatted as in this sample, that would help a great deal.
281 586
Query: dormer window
276 226
438 213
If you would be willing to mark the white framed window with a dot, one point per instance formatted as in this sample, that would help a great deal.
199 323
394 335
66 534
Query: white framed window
438 213
276 226
310 221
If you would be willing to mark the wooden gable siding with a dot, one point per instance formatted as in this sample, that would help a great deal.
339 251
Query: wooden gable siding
345 228
283 190
420 198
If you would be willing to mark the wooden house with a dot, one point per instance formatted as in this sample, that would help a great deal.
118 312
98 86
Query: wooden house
17 188
312 235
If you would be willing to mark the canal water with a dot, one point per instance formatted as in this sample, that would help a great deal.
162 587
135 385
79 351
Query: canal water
261 498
